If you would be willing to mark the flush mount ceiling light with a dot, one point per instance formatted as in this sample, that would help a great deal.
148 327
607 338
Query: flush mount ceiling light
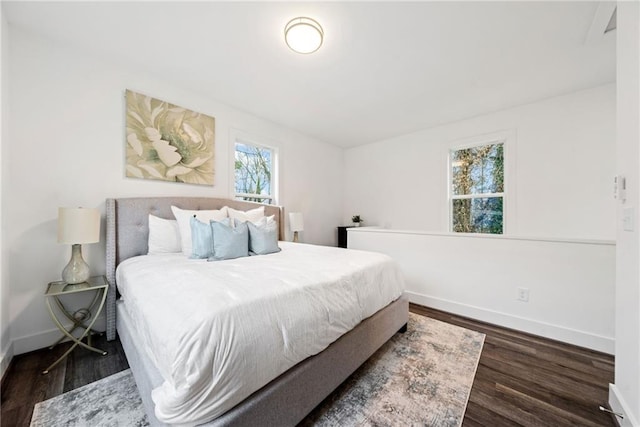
303 35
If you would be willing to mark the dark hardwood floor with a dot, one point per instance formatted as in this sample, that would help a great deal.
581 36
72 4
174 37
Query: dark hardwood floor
527 380
521 379
24 385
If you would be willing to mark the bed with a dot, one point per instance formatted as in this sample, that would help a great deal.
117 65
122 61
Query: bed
283 400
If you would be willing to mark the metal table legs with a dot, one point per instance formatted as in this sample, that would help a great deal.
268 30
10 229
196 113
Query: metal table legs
78 322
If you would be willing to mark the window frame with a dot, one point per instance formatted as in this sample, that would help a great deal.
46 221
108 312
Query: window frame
238 137
507 139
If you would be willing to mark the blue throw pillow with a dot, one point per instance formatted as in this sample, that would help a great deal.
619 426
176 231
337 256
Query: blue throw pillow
263 237
201 239
228 242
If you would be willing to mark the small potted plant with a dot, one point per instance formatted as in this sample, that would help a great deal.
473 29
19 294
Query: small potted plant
356 219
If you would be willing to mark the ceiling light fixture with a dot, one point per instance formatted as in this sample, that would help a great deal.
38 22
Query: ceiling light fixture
303 35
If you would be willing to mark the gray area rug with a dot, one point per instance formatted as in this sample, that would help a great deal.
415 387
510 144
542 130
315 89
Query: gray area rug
422 377
111 401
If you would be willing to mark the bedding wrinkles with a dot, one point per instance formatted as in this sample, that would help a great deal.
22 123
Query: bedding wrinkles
218 331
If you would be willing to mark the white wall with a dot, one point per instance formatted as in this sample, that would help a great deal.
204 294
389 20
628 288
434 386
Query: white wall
624 396
562 165
6 350
479 276
66 148
559 168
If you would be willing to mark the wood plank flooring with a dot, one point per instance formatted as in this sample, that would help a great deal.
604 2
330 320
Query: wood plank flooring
521 379
532 381
24 385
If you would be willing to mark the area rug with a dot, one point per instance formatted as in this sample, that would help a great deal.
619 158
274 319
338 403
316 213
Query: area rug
111 401
422 377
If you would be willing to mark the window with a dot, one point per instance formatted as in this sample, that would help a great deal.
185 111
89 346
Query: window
254 173
477 189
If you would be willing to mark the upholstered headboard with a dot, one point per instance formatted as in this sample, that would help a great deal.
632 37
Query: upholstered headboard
128 231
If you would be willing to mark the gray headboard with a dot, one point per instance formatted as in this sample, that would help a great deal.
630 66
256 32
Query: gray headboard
128 231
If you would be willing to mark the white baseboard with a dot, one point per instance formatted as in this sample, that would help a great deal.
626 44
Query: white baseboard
36 341
619 405
536 327
44 339
5 359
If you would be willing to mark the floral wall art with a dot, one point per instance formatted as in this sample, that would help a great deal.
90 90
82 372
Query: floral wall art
167 142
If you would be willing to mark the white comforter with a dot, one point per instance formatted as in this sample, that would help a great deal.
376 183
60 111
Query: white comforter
218 331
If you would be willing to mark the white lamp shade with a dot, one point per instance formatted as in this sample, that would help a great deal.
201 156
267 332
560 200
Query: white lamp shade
78 225
296 221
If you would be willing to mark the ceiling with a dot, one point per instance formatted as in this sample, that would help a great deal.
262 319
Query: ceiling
385 68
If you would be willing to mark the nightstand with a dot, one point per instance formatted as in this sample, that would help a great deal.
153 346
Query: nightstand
342 235
56 290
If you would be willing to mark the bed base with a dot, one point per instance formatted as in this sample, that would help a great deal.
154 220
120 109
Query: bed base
286 400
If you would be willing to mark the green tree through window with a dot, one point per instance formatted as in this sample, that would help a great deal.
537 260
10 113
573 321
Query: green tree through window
253 173
477 189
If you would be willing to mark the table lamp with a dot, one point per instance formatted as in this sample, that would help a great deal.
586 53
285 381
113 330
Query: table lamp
296 224
77 226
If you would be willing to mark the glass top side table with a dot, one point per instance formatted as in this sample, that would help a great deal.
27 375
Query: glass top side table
78 318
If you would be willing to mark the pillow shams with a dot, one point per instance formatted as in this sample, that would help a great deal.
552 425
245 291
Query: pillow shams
253 215
164 236
263 237
228 242
183 217
201 239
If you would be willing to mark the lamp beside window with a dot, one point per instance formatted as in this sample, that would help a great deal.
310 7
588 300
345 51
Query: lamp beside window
296 224
77 226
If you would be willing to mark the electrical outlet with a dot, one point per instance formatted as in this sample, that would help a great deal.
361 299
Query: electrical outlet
523 294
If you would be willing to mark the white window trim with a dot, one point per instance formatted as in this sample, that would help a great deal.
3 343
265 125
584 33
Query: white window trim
242 137
508 138
476 196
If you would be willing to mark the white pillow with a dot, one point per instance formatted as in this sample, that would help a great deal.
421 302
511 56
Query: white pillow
164 236
265 221
253 215
184 216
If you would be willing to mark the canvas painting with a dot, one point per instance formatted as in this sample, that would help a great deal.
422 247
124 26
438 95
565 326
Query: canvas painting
167 142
